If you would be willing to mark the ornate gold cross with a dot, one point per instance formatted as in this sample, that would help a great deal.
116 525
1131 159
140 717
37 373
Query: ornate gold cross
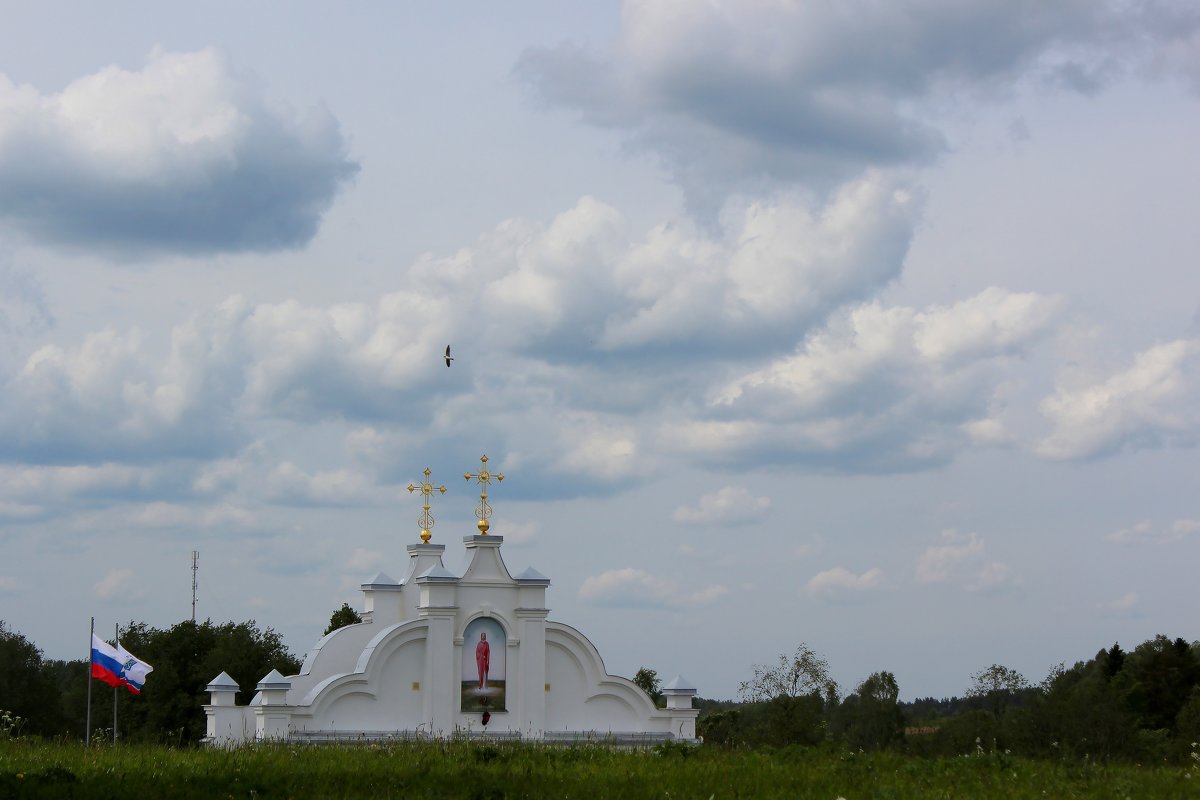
427 489
484 478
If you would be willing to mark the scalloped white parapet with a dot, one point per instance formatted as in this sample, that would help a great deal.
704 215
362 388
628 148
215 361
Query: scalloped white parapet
400 671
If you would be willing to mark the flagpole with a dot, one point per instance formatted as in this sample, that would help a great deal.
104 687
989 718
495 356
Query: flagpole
87 730
116 642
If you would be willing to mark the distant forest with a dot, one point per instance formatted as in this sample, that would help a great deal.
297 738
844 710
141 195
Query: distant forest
1134 705
1142 705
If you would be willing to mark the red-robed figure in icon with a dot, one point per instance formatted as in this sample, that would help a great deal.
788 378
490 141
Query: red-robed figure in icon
483 652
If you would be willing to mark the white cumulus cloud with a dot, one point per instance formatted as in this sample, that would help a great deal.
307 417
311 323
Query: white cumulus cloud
1125 603
630 587
19 511
840 580
113 582
961 559
730 505
183 155
516 534
291 485
878 388
1152 403
1146 532
363 560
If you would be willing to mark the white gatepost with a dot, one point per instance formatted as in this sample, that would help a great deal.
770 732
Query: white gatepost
438 587
531 618
679 694
383 600
272 714
224 718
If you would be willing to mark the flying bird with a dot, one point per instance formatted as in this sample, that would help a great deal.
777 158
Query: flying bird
448 358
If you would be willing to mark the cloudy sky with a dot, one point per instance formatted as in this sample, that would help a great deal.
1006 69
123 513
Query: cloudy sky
873 326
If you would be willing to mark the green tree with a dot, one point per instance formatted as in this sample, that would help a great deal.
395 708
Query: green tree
995 688
721 727
26 691
1163 674
185 658
870 719
342 617
71 680
779 722
648 681
1081 711
787 720
798 675
1187 723
1111 660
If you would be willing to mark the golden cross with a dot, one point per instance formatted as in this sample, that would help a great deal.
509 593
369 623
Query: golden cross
426 489
484 479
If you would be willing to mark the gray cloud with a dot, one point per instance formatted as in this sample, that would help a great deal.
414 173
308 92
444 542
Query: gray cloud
107 399
103 400
43 492
740 97
183 156
23 306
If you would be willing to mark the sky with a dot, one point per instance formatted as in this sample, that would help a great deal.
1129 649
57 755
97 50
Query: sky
870 326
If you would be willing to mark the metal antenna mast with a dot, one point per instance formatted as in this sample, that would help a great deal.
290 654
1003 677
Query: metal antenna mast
195 566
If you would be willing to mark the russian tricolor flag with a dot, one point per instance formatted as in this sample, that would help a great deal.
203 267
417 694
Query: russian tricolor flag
136 670
116 666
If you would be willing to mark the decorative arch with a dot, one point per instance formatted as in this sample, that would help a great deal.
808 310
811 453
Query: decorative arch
366 682
606 702
484 665
486 613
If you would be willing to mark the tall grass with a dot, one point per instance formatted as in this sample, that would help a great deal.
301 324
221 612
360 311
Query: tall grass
30 768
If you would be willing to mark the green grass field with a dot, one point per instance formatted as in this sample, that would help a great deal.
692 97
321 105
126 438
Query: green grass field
29 768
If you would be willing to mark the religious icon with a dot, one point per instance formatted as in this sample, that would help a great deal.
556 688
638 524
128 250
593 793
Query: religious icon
482 655
483 686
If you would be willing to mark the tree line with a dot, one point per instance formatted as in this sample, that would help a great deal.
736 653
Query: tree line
1139 705
48 697
1142 705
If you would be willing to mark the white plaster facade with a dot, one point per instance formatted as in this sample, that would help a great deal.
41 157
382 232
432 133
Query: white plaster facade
401 672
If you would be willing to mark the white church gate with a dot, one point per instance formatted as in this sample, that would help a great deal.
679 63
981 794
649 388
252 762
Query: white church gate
440 655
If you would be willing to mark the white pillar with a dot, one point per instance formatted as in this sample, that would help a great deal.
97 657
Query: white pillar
272 715
420 558
531 697
224 719
531 615
679 694
440 690
440 701
383 601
